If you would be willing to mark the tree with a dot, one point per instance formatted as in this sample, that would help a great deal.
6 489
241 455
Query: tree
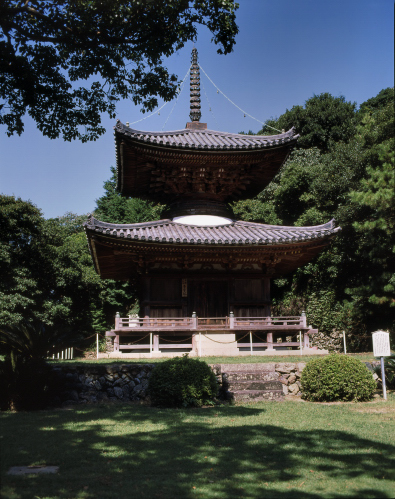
323 120
377 229
65 62
23 266
350 285
113 207
47 274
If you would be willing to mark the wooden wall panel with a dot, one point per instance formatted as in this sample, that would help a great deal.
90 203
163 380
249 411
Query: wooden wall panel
250 311
248 290
165 290
166 312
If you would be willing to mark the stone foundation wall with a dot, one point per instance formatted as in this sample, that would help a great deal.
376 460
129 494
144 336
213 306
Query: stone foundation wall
91 384
289 375
128 382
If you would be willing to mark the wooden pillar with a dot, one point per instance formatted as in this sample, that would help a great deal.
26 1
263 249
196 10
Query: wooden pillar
116 343
266 296
269 339
146 294
156 342
306 340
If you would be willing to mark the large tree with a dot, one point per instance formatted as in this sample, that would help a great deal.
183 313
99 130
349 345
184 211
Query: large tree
322 121
67 62
350 286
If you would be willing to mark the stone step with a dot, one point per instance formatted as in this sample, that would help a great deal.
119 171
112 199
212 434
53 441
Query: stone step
230 376
268 367
254 385
255 395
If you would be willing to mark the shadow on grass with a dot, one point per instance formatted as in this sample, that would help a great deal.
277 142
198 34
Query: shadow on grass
140 452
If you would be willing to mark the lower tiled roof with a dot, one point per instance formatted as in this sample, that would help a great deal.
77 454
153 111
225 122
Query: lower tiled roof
236 233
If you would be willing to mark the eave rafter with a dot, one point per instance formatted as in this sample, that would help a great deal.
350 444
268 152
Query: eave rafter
123 259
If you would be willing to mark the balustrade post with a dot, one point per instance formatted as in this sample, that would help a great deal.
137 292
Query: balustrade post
194 320
269 340
306 339
117 321
156 342
303 319
231 320
116 343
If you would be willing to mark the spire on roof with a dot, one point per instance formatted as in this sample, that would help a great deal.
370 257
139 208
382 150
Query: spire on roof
195 113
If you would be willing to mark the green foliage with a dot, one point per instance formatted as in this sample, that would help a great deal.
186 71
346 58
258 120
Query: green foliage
33 340
350 285
23 264
337 378
182 382
65 63
322 121
115 208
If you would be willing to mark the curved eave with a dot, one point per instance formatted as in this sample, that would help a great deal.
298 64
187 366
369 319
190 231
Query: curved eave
139 153
192 140
239 238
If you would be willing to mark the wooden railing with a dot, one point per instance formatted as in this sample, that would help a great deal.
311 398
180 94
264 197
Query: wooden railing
154 323
209 323
157 333
291 322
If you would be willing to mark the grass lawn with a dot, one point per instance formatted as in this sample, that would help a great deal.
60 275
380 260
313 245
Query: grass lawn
248 359
282 450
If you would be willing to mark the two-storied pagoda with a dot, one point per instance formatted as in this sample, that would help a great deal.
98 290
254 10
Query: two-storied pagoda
203 277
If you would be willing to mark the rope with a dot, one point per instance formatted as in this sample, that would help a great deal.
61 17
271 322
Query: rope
149 116
176 341
140 339
181 89
226 342
209 105
239 108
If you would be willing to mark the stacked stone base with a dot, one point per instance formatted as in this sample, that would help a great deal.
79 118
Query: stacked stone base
101 383
253 382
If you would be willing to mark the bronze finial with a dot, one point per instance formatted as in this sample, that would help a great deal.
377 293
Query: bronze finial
195 113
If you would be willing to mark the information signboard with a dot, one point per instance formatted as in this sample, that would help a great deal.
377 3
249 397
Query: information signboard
381 344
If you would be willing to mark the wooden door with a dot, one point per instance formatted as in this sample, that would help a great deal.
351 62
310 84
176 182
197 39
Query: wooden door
208 298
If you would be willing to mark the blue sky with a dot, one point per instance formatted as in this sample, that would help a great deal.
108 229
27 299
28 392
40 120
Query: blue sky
286 52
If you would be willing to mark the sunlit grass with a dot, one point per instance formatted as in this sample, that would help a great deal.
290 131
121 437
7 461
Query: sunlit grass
363 357
265 450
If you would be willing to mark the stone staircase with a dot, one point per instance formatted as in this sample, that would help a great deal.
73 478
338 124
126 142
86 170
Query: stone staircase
251 382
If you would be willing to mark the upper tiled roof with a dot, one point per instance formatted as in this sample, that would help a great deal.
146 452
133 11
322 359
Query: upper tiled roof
208 140
237 233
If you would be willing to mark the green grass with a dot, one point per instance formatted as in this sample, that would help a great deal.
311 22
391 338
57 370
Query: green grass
270 450
364 357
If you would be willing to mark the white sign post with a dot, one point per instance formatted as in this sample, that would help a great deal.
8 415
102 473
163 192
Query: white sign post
381 348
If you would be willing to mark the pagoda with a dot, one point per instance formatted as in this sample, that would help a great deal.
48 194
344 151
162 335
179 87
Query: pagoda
203 277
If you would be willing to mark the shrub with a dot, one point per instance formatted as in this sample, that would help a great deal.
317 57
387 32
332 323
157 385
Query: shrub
182 382
337 377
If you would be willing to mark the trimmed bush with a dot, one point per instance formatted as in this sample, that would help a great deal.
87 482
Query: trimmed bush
182 382
337 377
